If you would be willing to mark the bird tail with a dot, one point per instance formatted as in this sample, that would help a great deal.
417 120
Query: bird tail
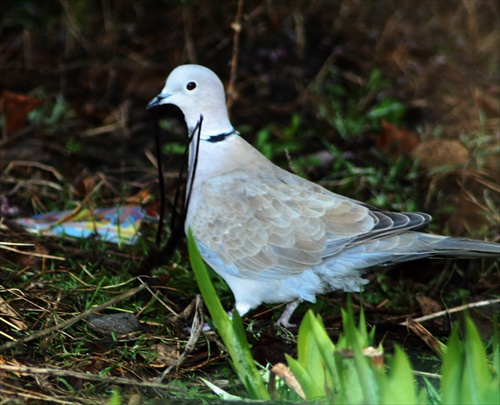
411 246
459 247
337 270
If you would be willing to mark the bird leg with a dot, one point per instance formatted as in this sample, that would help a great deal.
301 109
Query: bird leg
290 308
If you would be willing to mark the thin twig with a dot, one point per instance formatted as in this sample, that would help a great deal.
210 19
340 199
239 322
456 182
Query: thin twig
18 392
69 322
475 201
85 376
31 253
456 309
77 209
236 26
196 330
38 165
187 19
427 375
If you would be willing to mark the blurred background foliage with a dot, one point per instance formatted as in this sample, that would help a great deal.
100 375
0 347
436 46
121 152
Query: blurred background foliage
315 79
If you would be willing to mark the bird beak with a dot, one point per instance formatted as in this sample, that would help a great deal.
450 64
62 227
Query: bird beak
158 100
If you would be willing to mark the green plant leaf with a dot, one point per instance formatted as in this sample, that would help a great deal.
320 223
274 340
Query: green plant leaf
364 368
476 364
226 396
312 389
307 349
114 399
231 331
452 370
398 385
326 349
315 353
496 348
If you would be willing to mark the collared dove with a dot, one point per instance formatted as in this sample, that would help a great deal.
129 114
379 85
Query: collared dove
275 237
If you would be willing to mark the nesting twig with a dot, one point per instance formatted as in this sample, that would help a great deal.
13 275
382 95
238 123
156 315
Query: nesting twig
236 26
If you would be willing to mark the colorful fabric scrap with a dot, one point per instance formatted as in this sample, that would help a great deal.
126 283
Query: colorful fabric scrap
117 225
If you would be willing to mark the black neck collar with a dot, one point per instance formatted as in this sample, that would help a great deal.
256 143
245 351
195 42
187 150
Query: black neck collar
220 137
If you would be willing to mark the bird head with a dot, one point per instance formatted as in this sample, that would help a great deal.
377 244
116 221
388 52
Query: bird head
196 91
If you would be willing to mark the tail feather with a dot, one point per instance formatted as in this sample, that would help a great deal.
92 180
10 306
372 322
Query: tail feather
459 247
411 246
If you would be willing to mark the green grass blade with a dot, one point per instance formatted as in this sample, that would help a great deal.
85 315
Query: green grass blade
398 386
496 349
231 331
452 370
365 373
312 390
308 353
476 364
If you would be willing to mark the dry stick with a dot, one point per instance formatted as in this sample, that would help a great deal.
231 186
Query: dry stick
75 210
456 309
187 20
477 203
72 321
196 330
21 252
39 165
73 25
425 374
480 176
236 26
85 376
19 392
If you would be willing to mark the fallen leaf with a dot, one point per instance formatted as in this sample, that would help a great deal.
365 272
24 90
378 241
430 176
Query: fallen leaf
428 305
285 373
15 108
164 355
428 338
396 140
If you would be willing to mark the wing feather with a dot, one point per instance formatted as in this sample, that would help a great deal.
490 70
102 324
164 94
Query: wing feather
272 224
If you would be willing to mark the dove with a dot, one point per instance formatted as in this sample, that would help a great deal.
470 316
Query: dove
276 237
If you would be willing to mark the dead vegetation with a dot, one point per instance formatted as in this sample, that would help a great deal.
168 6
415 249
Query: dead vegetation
75 78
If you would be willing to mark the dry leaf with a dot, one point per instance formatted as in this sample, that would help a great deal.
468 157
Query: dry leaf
428 305
394 139
284 372
426 336
15 108
165 355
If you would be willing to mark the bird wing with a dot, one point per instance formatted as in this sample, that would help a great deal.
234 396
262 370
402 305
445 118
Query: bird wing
274 224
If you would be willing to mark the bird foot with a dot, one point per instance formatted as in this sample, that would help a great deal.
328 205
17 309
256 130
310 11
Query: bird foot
284 319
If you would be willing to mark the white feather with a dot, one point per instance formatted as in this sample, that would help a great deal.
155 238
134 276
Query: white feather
274 236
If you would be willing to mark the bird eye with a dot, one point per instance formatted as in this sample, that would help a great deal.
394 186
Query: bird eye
191 86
